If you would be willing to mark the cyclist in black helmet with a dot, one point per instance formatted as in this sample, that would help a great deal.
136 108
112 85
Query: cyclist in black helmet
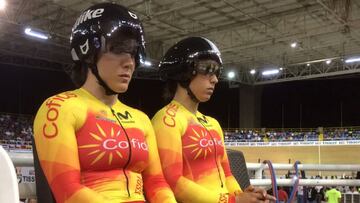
92 147
191 145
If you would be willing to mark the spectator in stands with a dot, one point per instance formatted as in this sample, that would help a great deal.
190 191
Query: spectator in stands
333 195
15 129
300 194
353 190
311 194
275 136
283 196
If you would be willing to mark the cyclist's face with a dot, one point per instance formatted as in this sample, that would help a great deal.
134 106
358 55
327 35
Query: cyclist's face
116 66
203 84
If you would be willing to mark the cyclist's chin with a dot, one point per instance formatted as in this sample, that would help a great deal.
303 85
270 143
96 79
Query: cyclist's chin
120 87
204 97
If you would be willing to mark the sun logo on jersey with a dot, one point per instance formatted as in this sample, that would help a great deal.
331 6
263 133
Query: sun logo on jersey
106 145
103 144
199 141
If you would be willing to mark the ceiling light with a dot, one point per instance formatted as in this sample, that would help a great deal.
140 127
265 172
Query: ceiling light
253 71
2 4
36 34
351 60
294 44
148 63
231 74
270 72
328 62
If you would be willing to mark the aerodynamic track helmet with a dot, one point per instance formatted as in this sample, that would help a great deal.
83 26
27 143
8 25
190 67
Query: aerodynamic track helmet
103 23
180 61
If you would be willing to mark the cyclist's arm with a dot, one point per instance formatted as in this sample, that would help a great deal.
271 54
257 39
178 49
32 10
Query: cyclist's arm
231 183
156 188
170 151
54 135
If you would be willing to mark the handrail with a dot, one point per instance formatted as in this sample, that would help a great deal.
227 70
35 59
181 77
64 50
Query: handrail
307 182
309 167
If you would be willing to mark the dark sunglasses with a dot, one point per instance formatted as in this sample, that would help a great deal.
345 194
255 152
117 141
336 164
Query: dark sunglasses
208 68
129 46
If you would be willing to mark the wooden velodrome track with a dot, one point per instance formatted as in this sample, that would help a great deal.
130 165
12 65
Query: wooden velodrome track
305 154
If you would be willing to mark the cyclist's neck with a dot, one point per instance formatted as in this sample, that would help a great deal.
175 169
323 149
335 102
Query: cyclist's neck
184 99
99 92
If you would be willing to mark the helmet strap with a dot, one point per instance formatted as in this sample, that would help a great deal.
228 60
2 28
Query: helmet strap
186 85
192 95
187 78
94 69
108 90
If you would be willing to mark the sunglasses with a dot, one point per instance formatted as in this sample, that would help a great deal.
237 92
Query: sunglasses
208 68
129 46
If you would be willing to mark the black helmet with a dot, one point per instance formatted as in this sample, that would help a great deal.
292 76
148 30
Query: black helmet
178 62
100 23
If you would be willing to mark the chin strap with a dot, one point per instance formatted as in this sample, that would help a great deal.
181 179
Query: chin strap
192 95
186 85
108 90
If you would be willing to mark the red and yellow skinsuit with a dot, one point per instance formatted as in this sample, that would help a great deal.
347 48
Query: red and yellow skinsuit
93 153
193 156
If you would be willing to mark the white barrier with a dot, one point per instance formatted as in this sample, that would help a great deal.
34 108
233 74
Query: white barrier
9 189
309 167
307 182
22 158
28 190
292 143
258 167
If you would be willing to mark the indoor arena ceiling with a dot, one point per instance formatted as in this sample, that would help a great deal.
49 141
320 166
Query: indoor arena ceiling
251 34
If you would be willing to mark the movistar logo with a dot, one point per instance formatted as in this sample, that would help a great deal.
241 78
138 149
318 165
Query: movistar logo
88 15
202 120
125 116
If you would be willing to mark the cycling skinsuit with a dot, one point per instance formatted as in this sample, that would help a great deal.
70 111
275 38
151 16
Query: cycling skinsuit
193 156
91 152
